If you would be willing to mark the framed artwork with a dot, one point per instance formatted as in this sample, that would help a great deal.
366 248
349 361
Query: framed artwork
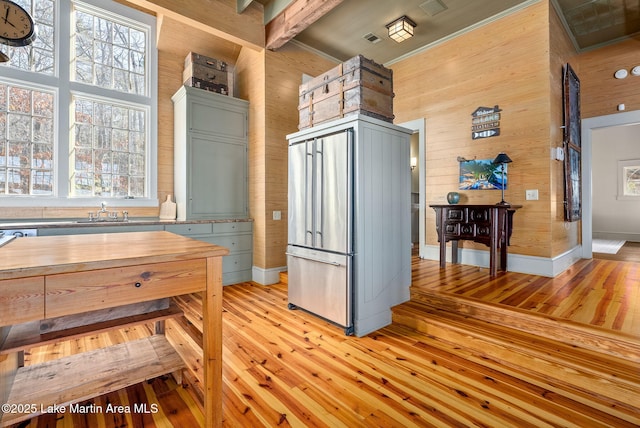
572 145
629 180
482 174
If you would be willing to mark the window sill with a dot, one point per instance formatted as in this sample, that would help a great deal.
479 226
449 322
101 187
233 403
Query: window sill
34 201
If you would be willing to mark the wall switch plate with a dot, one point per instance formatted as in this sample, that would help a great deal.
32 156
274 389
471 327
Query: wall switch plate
277 215
557 153
531 195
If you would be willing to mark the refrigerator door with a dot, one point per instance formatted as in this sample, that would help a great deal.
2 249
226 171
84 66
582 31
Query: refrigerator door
333 192
300 193
320 282
321 192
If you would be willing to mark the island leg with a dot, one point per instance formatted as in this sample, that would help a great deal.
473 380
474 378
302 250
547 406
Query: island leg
212 343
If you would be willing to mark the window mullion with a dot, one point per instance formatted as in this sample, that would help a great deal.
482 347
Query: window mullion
65 118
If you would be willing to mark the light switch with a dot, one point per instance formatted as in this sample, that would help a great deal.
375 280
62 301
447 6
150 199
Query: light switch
277 215
531 195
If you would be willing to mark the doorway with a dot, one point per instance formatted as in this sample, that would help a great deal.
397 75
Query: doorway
588 126
419 126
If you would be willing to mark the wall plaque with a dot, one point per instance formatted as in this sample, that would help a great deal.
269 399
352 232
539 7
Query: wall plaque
485 122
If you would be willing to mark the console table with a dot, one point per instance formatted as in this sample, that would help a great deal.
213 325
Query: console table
78 283
487 224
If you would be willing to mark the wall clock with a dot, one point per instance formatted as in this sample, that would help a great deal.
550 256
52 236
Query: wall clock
16 25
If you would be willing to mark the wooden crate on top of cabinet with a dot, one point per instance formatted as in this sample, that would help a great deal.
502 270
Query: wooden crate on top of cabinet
357 86
206 73
210 155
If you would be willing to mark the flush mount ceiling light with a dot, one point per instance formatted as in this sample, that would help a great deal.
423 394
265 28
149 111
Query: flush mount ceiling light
620 74
401 29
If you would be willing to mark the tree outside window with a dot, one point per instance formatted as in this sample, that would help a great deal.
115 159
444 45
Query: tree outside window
99 80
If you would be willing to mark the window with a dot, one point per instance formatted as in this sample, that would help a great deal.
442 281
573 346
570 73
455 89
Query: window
629 179
93 67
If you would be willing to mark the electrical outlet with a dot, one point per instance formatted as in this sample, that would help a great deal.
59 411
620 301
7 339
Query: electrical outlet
277 215
531 195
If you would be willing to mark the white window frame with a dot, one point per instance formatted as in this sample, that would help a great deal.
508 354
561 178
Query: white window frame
622 164
65 89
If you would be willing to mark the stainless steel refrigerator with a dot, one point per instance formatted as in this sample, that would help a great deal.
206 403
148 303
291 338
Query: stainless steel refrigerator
349 222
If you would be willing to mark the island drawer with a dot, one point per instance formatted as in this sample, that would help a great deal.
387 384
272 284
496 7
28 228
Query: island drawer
105 288
21 300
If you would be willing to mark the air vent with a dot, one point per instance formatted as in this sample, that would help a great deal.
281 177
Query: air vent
433 7
372 38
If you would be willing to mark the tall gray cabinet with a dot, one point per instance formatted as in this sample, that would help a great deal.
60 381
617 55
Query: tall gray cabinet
211 175
210 155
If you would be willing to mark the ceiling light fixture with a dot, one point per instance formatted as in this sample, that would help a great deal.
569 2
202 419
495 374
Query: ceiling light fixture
401 29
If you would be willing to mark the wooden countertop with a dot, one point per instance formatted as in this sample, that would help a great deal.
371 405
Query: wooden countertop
77 279
140 221
46 255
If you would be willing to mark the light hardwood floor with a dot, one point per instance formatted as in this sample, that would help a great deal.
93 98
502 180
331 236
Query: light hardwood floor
290 368
630 252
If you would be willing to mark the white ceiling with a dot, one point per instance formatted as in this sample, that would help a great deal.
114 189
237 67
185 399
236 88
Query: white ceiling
339 33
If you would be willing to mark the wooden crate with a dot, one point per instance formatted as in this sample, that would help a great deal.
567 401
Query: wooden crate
206 73
219 88
357 86
194 58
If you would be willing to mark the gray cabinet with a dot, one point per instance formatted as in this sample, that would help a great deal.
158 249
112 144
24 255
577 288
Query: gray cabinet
236 236
210 155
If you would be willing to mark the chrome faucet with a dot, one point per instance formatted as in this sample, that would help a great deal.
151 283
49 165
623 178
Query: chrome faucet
103 210
98 215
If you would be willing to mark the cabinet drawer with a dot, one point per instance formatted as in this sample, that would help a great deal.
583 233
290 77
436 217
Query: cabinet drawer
21 300
77 292
236 262
233 242
190 229
236 226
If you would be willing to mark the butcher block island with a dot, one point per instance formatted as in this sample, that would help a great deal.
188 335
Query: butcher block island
55 288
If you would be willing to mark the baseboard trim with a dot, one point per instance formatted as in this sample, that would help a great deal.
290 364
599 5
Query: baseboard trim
267 276
617 236
532 265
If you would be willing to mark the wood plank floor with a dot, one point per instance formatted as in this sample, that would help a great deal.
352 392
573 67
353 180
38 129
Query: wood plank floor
593 292
290 368
630 252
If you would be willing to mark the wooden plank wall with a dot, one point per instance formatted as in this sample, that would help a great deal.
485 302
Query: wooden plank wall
564 235
270 81
250 75
506 63
600 91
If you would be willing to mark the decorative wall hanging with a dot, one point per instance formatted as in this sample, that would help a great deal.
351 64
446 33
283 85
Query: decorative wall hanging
485 122
482 175
572 145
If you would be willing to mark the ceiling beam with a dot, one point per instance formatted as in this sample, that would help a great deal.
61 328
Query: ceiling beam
246 29
294 19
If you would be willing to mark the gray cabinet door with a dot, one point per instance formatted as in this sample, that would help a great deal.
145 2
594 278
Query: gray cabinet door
218 177
210 159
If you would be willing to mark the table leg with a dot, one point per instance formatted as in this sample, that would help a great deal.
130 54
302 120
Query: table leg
212 343
454 252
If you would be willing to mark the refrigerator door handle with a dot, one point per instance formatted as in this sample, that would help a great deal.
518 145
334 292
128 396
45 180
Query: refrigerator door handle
309 183
319 207
315 260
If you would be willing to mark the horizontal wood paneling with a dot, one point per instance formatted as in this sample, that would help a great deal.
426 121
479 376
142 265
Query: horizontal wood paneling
270 81
250 74
506 63
600 91
284 70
